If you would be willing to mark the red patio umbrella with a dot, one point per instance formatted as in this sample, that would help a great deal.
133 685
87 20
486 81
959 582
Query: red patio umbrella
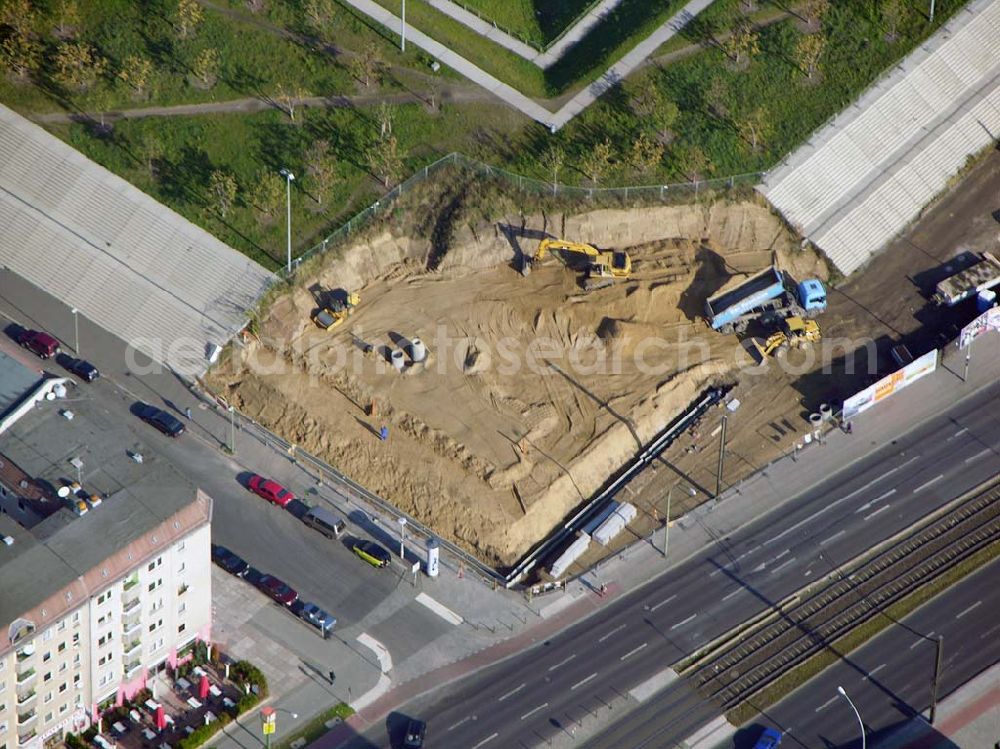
203 687
161 718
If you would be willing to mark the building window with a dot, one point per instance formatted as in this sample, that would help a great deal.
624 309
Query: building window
63 708
48 717
62 667
47 657
48 676
62 626
181 628
180 546
76 638
48 698
103 639
63 687
151 567
76 617
62 647
47 635
181 568
152 627
181 608
152 587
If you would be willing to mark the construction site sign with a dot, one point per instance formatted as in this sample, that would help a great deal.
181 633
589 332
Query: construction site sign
989 320
862 401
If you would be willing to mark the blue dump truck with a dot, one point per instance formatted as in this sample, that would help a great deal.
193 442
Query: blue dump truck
769 296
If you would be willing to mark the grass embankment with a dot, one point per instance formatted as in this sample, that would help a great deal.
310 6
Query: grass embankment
857 637
535 23
317 726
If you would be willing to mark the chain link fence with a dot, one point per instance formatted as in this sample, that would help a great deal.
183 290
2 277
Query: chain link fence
525 184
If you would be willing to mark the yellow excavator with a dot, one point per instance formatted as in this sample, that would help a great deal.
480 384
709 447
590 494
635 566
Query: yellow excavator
604 268
337 311
795 332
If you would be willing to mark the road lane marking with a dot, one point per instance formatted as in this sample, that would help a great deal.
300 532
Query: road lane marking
978 455
866 505
681 624
925 485
838 534
925 637
562 662
440 609
665 600
874 671
783 565
730 595
782 554
511 692
989 632
632 652
487 739
619 628
870 515
959 433
827 704
583 681
535 710
976 605
745 554
466 719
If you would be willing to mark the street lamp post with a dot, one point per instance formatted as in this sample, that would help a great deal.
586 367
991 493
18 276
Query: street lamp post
842 693
232 430
76 330
402 29
402 536
268 721
288 195
666 528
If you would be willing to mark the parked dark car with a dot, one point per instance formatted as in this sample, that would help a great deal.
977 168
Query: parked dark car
83 369
39 342
160 419
415 731
372 553
769 739
230 562
277 589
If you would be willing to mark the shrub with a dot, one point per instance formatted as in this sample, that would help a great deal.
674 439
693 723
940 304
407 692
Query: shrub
203 733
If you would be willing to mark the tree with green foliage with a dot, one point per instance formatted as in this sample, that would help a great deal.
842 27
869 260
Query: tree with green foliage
222 187
101 100
134 73
290 97
78 65
743 42
692 162
19 17
267 195
813 12
368 66
150 149
205 68
67 18
321 169
384 160
893 14
256 6
553 159
646 154
755 127
320 14
385 115
808 51
654 108
189 15
21 55
597 161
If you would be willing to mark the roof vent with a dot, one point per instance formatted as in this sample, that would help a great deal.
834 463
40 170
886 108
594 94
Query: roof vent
23 484
8 540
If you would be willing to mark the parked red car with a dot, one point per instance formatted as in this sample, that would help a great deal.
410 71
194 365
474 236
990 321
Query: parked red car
270 490
41 343
278 590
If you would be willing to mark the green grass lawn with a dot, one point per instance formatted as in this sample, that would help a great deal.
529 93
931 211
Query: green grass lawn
538 22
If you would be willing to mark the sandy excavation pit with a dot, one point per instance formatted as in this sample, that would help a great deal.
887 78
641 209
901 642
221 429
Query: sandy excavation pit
533 392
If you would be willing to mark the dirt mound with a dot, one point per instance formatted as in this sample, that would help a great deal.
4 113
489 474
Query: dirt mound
533 391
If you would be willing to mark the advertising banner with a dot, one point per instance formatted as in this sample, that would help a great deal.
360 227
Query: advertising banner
865 399
989 320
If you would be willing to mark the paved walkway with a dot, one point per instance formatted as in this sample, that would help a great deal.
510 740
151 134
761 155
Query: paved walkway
553 120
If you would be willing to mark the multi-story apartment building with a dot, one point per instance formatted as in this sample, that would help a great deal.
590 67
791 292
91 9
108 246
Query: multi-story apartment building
93 605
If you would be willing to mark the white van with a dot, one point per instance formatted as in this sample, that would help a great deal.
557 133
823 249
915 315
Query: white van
324 521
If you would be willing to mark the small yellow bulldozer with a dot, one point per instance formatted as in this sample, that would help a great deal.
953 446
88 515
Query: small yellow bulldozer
795 332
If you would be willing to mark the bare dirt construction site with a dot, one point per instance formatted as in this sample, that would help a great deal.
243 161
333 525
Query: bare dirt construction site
533 391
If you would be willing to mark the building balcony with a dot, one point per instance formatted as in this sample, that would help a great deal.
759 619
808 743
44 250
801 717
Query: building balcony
131 583
25 697
24 653
25 718
23 676
133 647
132 667
24 738
131 628
131 604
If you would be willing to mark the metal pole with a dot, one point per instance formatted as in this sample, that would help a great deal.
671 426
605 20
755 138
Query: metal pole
288 202
232 430
402 30
842 693
932 11
402 537
722 453
666 527
76 330
936 680
968 358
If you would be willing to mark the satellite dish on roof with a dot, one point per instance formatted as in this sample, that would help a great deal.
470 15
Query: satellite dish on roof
63 492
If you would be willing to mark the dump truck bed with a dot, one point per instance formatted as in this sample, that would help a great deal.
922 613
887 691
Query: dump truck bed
752 293
983 275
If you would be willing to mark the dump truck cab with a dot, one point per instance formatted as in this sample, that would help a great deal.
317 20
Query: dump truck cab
812 295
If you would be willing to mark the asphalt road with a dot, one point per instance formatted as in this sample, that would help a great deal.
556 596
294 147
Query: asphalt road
590 667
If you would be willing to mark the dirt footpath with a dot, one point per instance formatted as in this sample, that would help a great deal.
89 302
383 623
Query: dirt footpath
533 391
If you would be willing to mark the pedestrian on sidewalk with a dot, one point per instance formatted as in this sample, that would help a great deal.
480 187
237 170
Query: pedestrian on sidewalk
187 412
